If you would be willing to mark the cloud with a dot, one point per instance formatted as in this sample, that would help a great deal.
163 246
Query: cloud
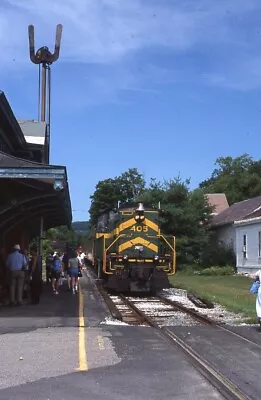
107 30
118 35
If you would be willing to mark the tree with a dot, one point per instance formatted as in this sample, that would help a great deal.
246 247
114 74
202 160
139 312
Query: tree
153 194
106 195
131 184
183 213
239 178
124 188
57 238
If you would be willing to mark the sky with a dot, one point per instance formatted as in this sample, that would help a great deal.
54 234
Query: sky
166 86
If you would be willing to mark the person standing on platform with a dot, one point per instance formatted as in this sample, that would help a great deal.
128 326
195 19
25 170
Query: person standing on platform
56 273
74 267
35 274
16 264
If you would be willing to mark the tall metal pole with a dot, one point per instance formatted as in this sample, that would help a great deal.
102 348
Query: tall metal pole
43 97
46 58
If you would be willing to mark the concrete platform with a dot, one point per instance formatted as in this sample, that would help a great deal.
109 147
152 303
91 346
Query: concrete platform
235 358
64 349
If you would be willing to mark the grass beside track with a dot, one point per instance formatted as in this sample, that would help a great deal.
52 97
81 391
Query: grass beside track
232 292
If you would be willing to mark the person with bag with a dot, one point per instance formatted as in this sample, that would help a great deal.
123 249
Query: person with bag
74 268
256 289
56 273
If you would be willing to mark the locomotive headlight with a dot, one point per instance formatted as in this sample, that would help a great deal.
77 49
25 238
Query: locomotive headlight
156 257
139 218
125 257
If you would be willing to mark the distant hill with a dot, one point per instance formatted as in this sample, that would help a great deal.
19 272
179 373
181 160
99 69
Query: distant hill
81 227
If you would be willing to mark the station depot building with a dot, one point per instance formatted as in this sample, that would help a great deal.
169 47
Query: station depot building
34 196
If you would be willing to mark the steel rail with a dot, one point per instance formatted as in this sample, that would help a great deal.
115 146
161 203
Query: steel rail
226 387
207 320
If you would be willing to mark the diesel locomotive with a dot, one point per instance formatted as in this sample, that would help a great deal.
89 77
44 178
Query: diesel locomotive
130 250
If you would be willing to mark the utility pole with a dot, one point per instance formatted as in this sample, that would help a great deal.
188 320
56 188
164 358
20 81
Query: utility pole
44 58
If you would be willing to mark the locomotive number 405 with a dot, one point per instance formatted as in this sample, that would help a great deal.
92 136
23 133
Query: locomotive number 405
139 228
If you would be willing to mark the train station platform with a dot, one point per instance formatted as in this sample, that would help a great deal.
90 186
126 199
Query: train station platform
64 348
63 310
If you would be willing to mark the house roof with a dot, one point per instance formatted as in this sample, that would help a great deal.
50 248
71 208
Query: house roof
237 211
218 201
248 221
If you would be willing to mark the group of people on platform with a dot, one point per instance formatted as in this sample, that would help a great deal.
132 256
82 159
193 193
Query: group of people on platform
21 273
68 265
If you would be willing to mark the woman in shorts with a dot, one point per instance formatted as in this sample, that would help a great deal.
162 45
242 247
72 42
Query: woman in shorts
56 273
73 268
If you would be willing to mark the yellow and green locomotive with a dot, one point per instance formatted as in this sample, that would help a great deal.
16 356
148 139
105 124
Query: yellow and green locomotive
131 251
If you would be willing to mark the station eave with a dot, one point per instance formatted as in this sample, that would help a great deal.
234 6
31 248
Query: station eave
31 191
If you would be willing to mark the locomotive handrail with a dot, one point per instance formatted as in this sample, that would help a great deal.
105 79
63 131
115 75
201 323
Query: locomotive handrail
112 243
174 253
105 253
167 242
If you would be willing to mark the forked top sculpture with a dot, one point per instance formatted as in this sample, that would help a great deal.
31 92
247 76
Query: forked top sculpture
43 55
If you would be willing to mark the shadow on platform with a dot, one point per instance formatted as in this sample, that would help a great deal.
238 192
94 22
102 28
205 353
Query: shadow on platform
53 311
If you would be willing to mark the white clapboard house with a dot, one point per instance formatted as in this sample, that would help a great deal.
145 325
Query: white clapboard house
239 226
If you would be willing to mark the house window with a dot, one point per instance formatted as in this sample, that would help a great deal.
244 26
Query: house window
244 246
259 244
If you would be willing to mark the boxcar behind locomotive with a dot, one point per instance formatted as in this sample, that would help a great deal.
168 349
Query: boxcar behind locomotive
131 251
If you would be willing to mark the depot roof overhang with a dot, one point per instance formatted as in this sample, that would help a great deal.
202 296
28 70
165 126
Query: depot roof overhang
11 130
30 191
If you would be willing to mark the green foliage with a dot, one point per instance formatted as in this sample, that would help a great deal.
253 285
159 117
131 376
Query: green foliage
124 188
131 183
56 240
105 197
183 213
189 270
239 178
216 253
217 271
81 227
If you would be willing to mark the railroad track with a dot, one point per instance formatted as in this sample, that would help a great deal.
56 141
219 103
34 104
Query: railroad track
154 312
208 321
166 308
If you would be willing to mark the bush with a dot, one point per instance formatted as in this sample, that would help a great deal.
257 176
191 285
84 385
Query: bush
188 269
218 271
217 253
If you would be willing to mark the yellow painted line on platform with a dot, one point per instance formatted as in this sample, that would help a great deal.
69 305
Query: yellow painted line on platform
83 365
100 342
